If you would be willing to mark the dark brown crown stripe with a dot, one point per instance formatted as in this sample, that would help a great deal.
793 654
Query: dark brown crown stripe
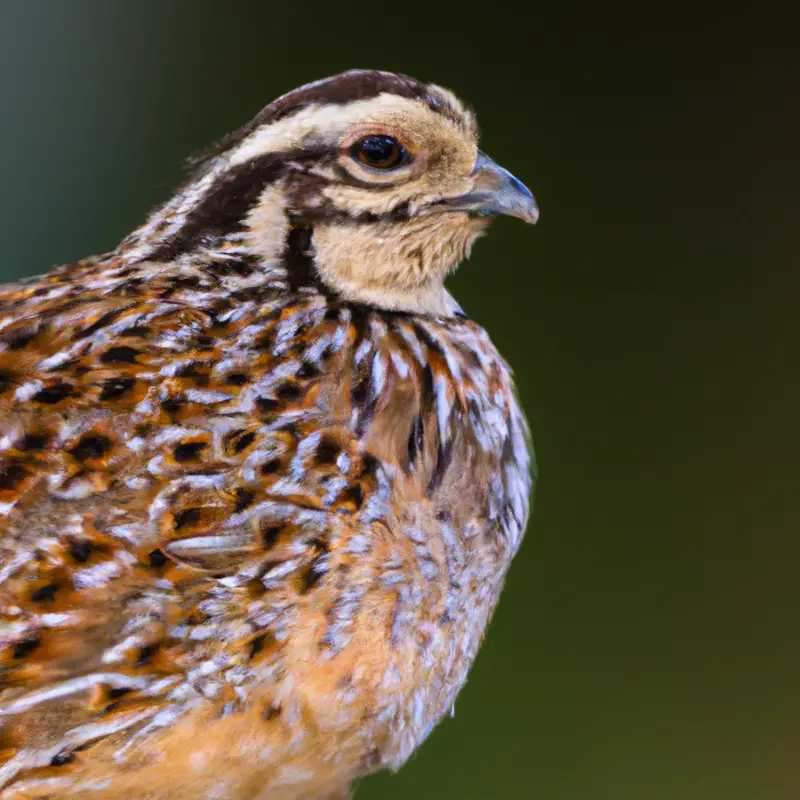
224 206
341 89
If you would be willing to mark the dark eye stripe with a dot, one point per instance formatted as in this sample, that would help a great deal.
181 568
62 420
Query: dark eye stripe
224 207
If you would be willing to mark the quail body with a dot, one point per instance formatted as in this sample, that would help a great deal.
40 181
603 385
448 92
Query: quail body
260 477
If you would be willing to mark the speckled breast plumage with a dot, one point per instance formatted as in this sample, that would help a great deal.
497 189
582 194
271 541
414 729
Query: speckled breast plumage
222 498
252 532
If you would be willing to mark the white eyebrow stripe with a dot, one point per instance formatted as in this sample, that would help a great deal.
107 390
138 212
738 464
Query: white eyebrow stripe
289 133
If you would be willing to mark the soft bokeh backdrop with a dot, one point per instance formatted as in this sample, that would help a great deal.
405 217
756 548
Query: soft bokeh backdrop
647 645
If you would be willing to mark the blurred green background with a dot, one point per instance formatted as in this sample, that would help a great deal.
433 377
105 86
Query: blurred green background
647 644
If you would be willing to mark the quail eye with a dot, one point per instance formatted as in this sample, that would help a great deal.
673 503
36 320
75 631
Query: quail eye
379 152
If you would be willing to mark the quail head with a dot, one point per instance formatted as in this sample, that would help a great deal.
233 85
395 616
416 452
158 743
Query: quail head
260 477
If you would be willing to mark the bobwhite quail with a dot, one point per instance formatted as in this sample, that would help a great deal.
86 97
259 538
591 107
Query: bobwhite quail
261 478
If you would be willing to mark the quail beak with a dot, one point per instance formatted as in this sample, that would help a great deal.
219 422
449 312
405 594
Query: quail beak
495 191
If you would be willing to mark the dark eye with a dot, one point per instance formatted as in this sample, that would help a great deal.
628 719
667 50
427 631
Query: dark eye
380 152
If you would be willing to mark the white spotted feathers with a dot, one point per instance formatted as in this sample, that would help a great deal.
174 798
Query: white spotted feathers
260 479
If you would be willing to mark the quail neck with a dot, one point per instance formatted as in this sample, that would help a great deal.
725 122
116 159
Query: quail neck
260 479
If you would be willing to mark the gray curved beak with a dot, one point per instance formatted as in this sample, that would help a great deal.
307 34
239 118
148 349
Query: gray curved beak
496 191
